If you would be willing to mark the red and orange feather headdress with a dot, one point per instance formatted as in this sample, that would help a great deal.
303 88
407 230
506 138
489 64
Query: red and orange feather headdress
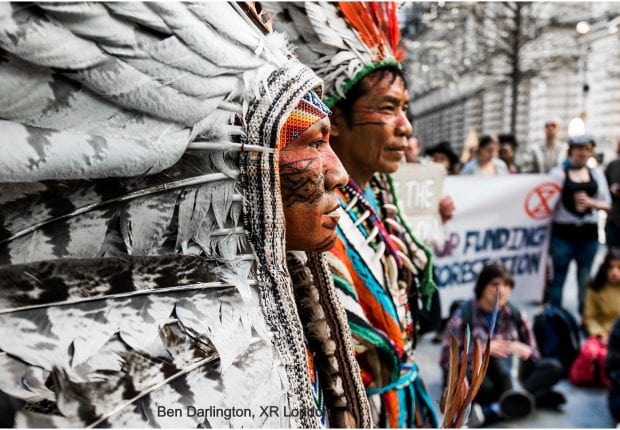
343 41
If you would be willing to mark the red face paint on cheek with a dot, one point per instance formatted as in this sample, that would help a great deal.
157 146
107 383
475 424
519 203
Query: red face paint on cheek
369 116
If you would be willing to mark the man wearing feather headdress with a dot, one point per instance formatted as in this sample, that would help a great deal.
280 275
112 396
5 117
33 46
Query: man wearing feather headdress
380 269
151 155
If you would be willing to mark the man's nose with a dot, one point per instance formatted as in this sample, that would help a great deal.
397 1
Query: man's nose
403 126
335 174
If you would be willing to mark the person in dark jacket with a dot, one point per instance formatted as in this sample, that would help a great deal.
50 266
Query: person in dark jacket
612 368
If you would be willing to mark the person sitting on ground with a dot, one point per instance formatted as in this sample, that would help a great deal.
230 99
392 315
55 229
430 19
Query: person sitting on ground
602 308
512 337
612 370
486 163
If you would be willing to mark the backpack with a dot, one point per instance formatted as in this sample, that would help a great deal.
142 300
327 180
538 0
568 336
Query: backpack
589 367
557 335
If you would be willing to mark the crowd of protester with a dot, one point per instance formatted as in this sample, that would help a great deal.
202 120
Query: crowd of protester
520 377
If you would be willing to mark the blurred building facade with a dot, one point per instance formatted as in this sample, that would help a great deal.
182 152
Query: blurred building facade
461 67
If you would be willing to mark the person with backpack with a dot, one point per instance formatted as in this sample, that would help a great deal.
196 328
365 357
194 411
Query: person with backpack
512 341
601 310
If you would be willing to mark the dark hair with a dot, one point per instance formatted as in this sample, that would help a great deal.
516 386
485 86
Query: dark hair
445 148
486 140
362 87
600 279
509 139
490 272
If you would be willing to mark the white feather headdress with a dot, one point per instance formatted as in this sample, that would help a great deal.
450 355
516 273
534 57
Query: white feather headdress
142 255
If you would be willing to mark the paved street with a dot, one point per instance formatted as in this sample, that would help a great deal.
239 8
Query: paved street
586 407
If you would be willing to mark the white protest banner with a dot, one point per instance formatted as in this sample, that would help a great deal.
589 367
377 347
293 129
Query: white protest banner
419 188
504 219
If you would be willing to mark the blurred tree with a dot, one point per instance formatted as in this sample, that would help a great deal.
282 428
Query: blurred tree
447 40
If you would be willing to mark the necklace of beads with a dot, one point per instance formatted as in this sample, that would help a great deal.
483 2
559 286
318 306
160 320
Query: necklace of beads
353 189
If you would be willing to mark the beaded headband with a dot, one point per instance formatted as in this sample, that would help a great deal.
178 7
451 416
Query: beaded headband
309 110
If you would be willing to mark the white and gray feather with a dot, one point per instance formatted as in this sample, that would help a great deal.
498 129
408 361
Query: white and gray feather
127 281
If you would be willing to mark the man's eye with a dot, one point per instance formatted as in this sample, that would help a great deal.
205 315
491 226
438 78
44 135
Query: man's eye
316 144
387 109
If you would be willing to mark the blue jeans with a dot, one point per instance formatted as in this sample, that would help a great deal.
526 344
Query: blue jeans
562 252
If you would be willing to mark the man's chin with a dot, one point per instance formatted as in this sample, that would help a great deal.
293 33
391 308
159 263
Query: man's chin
326 244
389 167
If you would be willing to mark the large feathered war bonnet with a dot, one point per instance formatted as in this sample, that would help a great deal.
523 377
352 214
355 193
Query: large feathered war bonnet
142 255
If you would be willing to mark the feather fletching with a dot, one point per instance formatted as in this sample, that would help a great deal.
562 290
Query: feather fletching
132 76
357 15
94 328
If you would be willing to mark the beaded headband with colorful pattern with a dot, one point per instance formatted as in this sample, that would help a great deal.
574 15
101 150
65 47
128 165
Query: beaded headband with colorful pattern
309 110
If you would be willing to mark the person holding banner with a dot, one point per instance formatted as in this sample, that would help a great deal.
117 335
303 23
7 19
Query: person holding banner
486 163
507 147
412 151
574 232
440 155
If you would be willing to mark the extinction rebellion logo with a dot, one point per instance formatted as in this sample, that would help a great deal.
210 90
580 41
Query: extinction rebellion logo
539 202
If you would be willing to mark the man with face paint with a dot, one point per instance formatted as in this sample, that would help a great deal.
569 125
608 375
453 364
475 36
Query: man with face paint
377 263
379 268
310 172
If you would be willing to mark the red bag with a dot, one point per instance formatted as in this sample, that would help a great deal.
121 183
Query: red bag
589 367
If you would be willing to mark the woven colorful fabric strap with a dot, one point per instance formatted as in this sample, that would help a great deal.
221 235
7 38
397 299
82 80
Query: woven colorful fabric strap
309 110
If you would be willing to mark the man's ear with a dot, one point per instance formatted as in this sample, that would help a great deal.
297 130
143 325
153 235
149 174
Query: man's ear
337 121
